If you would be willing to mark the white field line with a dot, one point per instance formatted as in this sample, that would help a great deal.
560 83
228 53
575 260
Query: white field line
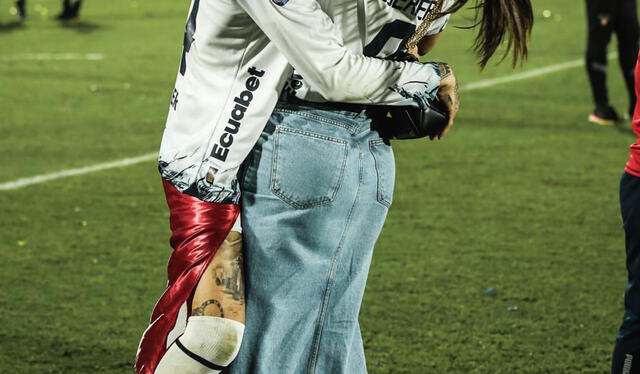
19 183
527 74
24 182
53 57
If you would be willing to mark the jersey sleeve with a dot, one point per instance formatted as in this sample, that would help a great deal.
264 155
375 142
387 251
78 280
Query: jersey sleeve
312 44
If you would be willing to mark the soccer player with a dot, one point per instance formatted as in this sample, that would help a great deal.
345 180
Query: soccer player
237 56
604 18
317 187
627 350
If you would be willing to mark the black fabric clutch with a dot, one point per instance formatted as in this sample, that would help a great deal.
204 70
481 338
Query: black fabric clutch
405 122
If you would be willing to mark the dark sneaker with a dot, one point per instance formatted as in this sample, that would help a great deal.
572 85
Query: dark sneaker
22 12
75 9
605 116
70 11
67 11
64 15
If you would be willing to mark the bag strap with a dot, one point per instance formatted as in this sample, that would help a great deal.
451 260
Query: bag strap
424 26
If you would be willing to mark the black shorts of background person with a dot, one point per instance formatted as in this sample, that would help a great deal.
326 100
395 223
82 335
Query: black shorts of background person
627 349
604 18
70 10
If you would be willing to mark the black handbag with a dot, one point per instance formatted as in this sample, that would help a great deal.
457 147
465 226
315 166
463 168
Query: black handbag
406 122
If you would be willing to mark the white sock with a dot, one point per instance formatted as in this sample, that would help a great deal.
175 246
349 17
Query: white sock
237 226
208 345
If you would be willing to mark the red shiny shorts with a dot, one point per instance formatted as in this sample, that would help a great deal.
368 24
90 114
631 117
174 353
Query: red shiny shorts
198 228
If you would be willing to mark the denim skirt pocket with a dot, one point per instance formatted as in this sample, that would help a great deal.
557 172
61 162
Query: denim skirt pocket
385 170
307 168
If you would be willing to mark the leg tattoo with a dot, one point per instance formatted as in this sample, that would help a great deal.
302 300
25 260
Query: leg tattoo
199 311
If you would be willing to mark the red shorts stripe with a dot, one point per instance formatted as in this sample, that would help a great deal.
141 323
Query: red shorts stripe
198 229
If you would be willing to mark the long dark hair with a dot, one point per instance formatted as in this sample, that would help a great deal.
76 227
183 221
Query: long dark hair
499 20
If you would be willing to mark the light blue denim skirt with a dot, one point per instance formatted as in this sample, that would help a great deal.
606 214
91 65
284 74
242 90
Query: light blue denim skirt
315 193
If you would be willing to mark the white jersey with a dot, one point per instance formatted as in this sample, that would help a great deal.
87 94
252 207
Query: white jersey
238 55
383 29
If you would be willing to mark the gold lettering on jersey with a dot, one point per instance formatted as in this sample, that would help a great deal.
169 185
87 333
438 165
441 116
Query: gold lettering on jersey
416 8
242 101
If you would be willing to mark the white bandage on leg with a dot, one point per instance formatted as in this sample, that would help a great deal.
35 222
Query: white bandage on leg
208 345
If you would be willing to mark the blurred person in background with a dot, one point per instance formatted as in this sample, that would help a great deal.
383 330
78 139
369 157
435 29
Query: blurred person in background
627 348
70 10
604 18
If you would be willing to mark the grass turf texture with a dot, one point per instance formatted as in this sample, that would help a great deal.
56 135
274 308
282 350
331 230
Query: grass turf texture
520 197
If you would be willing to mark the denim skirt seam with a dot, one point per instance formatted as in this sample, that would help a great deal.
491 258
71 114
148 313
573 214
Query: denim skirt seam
315 346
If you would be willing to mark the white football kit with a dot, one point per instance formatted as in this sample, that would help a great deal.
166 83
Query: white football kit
239 54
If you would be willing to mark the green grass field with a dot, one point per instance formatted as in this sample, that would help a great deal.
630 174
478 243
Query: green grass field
521 197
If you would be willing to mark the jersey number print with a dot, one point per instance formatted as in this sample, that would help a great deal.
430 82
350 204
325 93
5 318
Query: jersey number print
397 29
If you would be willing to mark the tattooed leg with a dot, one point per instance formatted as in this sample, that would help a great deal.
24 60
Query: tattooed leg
215 328
220 292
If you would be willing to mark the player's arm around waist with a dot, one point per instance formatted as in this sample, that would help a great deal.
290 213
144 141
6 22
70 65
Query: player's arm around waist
312 44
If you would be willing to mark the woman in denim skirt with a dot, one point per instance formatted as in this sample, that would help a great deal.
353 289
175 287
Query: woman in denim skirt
315 193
